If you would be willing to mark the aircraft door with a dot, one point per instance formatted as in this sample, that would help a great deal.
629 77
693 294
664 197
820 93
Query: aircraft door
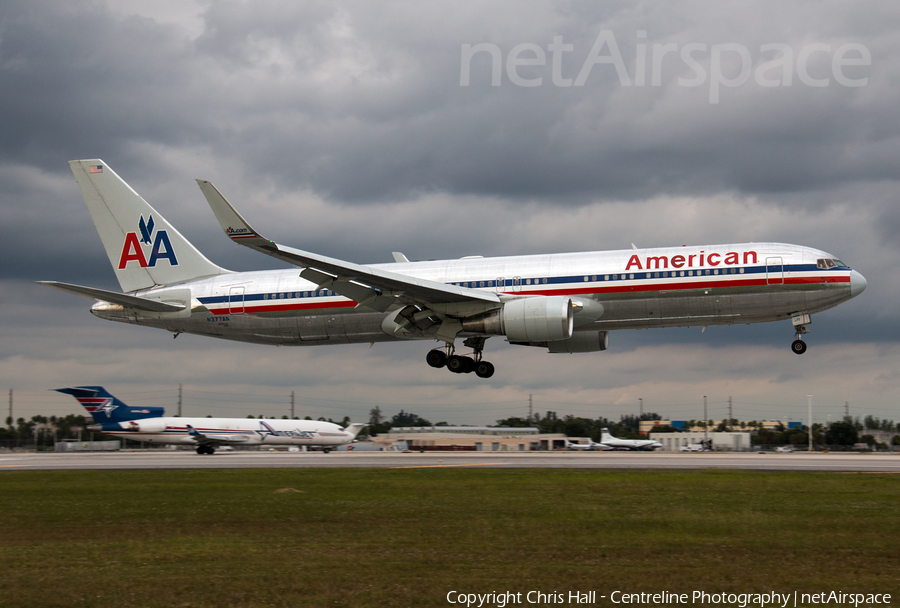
236 300
517 284
774 271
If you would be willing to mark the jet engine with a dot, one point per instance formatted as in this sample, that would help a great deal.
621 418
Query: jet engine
147 425
534 319
581 342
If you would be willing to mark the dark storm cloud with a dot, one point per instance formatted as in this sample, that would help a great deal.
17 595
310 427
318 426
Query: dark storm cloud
396 121
360 103
342 128
86 81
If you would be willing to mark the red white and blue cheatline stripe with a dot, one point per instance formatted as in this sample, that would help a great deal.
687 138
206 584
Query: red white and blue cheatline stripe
296 301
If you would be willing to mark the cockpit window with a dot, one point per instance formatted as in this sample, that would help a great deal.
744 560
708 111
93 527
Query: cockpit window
830 263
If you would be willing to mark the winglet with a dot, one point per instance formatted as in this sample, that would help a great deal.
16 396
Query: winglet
235 226
353 281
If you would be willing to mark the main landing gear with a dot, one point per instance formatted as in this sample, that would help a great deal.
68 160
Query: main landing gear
206 449
459 364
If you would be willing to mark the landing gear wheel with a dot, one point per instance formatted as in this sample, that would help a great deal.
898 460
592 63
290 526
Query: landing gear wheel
436 358
483 369
456 364
461 364
798 346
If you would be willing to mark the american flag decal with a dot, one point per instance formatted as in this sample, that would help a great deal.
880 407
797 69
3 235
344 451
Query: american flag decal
95 169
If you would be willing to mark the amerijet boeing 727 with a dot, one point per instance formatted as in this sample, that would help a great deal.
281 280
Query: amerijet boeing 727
115 418
565 302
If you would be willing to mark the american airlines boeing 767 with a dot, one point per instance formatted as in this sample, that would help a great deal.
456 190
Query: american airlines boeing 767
565 302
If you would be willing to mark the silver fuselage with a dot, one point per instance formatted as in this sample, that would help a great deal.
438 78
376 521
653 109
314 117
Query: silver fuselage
638 289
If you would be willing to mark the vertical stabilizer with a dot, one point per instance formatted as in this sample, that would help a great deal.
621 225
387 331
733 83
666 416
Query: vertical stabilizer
355 428
143 248
105 408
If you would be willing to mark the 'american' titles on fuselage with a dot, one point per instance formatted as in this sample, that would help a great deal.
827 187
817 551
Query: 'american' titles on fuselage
564 302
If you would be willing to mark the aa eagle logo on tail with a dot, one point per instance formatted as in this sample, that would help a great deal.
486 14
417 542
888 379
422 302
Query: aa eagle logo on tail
132 251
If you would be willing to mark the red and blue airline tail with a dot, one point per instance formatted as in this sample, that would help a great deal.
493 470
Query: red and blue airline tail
144 249
107 409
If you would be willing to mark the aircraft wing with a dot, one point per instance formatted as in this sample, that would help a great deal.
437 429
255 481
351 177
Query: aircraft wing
372 287
212 438
114 298
602 446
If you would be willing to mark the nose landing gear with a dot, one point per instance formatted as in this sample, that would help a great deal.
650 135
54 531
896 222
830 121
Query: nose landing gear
800 320
460 364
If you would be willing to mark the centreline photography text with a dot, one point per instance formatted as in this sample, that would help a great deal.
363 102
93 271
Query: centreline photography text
793 599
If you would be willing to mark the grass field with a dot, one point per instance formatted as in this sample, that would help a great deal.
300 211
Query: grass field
408 537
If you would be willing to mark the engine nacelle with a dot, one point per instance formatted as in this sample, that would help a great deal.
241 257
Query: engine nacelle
581 342
145 425
535 319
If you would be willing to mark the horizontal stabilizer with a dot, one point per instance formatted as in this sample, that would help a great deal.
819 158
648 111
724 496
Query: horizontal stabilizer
113 297
107 409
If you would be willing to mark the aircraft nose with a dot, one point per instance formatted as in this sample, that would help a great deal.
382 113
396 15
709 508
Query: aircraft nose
857 283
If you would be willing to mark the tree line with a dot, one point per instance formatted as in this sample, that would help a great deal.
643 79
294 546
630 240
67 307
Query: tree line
44 431
846 432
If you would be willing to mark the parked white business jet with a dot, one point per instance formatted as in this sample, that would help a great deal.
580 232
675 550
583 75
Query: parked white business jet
115 418
628 444
565 302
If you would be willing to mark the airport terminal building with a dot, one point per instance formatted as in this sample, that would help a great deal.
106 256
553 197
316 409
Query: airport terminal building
473 438
736 441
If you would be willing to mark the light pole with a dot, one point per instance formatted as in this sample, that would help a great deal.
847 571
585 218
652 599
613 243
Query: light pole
809 412
705 421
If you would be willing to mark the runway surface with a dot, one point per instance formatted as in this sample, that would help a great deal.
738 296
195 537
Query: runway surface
165 459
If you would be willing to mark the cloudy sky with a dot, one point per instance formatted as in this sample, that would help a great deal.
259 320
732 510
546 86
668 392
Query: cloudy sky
354 129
